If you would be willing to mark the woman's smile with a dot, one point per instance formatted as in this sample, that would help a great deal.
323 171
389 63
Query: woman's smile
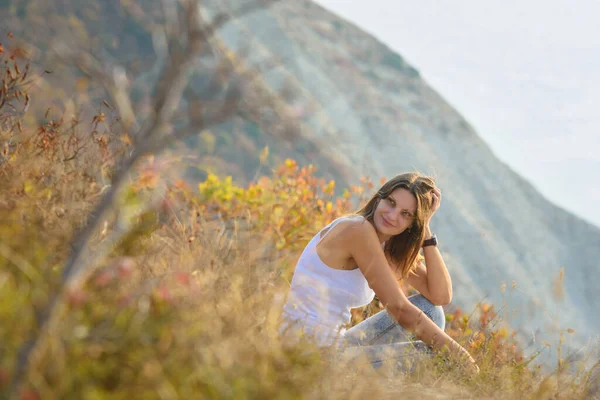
387 223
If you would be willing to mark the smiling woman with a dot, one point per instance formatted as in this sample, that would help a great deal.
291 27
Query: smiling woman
400 212
365 254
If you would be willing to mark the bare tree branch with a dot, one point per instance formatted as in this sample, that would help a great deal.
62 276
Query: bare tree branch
74 272
152 136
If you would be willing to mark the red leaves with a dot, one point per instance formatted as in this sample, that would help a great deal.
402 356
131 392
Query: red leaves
163 293
183 278
77 297
125 267
4 377
103 278
29 394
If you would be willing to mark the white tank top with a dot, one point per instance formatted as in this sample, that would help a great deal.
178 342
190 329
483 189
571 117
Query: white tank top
321 297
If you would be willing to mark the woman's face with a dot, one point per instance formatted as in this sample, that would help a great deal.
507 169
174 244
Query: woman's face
395 213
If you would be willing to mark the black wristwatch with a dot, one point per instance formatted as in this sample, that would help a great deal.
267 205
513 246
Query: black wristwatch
432 241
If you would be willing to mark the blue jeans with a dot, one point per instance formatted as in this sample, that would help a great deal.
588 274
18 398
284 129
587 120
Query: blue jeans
382 339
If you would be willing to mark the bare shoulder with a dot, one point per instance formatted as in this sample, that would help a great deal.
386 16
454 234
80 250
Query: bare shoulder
356 228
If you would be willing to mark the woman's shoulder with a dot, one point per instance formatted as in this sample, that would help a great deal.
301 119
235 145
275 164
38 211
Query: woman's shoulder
354 225
353 218
350 220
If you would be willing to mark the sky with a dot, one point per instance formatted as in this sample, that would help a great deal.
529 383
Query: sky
524 74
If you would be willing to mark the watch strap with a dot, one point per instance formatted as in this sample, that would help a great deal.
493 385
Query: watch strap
432 241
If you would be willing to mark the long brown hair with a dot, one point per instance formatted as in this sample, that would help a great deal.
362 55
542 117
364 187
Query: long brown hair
403 249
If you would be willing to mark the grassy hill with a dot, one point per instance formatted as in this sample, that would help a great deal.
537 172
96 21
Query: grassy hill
184 300
188 269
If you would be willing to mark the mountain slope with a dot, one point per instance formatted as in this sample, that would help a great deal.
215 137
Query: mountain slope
379 117
370 113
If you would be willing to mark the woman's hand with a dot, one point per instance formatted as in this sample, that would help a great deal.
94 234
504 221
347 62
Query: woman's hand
471 366
436 198
465 360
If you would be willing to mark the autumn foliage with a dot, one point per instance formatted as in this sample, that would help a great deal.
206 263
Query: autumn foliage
185 303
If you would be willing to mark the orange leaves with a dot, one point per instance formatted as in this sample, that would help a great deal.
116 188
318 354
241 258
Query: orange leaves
291 205
10 36
487 314
366 182
126 139
180 184
482 336
98 118
12 85
46 138
148 179
15 51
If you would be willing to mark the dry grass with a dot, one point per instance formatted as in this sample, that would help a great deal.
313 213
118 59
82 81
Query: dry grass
185 299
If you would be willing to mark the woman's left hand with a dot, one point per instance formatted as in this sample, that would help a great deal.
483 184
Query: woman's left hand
436 198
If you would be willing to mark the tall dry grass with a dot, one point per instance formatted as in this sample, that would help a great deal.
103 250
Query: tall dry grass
186 303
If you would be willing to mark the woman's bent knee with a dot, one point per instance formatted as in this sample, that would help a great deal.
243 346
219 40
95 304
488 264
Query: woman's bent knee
435 313
438 316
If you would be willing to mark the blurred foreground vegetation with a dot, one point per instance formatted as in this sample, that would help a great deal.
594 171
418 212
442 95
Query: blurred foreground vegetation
188 280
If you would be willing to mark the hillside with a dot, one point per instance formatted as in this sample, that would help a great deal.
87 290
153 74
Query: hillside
373 114
378 116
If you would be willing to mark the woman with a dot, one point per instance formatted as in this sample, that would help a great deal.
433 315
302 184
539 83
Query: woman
362 255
